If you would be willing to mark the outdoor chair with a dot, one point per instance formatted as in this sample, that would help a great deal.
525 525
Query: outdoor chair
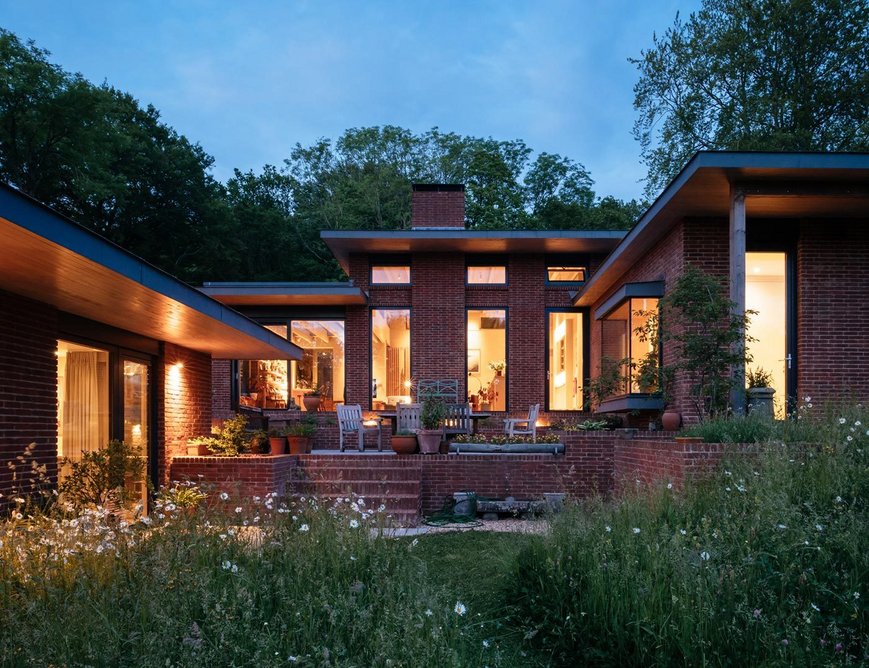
407 417
512 425
350 421
458 420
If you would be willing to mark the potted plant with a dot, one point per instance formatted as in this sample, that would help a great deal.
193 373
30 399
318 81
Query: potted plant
498 366
301 435
200 446
312 401
433 413
277 441
760 391
404 442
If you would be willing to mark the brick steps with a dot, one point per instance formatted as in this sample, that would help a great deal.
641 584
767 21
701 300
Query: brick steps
380 480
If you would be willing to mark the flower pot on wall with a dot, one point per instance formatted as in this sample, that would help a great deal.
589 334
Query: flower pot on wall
671 420
278 445
299 445
760 400
429 441
404 445
311 402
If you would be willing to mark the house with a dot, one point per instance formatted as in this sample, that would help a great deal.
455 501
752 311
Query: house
97 344
787 233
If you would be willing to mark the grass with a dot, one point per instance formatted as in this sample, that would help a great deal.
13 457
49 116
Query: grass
766 564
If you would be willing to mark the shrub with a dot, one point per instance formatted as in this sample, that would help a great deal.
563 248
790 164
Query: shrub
101 476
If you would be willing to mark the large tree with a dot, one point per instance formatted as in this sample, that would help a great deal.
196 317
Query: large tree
777 75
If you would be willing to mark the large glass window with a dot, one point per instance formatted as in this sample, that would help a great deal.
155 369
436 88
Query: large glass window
487 275
322 365
82 401
766 295
630 353
565 362
137 417
487 359
390 274
390 358
263 383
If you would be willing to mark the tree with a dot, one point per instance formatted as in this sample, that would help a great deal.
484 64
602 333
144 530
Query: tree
771 75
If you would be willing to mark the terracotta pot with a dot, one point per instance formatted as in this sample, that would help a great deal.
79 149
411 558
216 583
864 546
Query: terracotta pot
299 445
311 402
429 441
278 445
200 450
404 445
671 420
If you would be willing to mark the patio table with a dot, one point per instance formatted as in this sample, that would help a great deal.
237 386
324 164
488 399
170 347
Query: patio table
392 416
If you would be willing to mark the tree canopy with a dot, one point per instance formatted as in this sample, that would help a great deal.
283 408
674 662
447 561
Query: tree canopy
769 75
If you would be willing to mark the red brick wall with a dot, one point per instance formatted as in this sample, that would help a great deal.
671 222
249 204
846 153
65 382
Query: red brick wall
833 320
241 477
28 389
221 389
438 208
185 402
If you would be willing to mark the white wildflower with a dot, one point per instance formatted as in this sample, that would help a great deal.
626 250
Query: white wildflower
237 510
354 524
304 528
428 612
704 555
224 496
636 529
608 528
486 644
819 527
782 526
669 485
815 608
842 420
683 532
460 608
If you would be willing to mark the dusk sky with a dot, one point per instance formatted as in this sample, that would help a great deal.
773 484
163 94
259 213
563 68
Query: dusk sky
248 80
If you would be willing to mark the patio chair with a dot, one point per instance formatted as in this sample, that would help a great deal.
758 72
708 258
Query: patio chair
407 417
512 425
350 421
458 420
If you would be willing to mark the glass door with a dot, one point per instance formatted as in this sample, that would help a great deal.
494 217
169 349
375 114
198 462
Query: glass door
766 293
137 417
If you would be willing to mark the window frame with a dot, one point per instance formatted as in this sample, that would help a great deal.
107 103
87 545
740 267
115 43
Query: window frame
586 356
371 310
563 262
390 262
487 261
506 310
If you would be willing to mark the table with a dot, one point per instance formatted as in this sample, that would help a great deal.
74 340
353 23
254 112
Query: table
392 416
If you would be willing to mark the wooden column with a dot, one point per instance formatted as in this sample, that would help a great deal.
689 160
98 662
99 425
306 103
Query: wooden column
737 287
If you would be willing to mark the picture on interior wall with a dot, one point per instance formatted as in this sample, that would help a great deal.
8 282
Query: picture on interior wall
473 361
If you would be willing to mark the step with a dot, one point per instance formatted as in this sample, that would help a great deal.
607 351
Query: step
334 473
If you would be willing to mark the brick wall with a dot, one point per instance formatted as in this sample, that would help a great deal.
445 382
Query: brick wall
28 389
438 206
833 321
241 477
221 389
185 402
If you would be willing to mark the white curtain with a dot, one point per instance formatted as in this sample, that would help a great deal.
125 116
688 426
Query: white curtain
85 410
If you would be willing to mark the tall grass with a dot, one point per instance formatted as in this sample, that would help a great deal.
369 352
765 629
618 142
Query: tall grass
764 564
231 585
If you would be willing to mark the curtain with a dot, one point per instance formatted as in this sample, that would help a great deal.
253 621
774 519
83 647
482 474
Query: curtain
85 410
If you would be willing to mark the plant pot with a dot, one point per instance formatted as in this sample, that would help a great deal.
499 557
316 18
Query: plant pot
278 445
404 445
671 420
299 445
760 401
429 441
311 402
200 450
259 445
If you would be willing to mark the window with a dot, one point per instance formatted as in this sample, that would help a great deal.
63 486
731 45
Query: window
565 274
263 383
384 274
487 274
487 359
629 346
565 357
390 357
322 363
82 401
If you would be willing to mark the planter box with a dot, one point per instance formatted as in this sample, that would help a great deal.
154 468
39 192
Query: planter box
510 448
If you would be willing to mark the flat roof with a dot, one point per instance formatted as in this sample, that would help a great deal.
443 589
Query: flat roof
52 259
284 294
439 240
777 185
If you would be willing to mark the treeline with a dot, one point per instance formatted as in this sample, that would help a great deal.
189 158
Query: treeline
97 155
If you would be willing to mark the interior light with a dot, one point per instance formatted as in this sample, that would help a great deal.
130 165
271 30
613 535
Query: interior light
756 270
561 330
560 379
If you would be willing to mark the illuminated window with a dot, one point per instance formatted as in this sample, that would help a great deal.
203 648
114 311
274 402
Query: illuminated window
82 400
322 365
487 359
487 275
565 372
390 357
629 344
559 274
263 383
390 274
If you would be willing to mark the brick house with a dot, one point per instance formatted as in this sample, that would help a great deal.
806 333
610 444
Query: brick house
97 344
786 232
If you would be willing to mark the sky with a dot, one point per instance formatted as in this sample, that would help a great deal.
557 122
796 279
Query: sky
249 80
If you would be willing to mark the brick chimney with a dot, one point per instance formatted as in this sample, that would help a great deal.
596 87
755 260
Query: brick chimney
437 205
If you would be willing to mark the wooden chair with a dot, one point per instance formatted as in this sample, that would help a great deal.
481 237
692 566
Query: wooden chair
350 421
511 425
458 420
407 417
